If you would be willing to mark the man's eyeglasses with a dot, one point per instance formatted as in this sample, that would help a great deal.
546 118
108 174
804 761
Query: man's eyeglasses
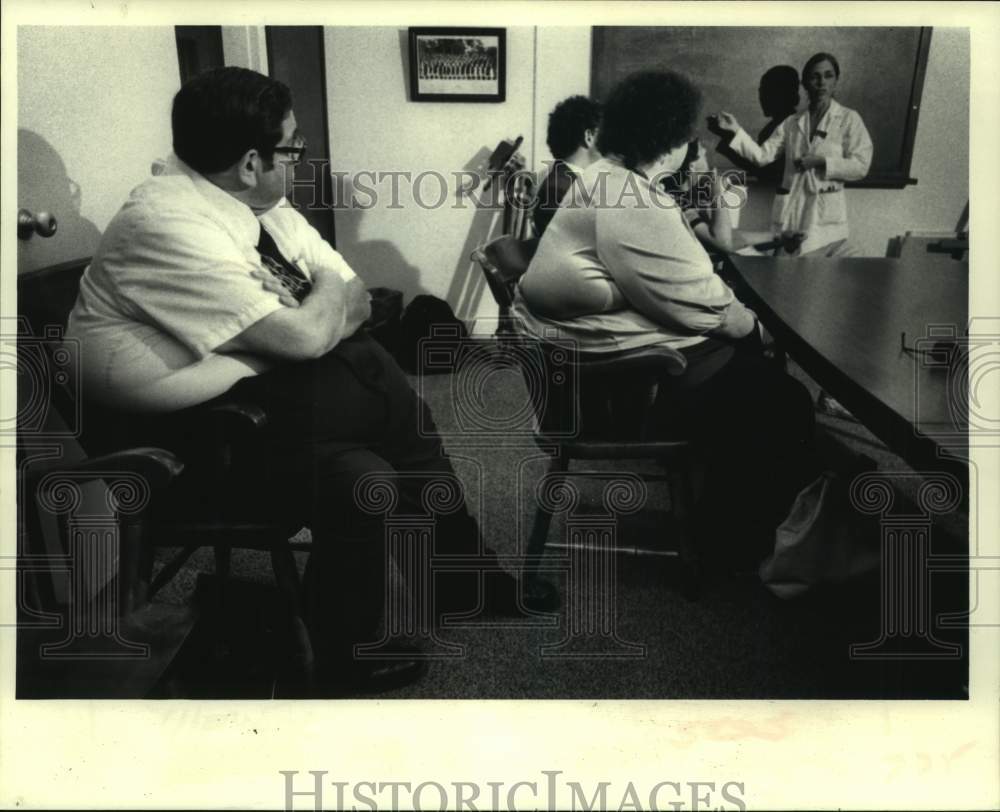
297 149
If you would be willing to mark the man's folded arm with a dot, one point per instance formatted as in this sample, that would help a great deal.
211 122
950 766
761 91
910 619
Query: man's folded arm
333 310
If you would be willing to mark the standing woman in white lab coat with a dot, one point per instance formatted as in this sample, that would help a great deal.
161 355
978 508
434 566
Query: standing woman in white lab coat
824 146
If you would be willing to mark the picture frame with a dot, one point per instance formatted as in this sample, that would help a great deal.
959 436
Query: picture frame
456 64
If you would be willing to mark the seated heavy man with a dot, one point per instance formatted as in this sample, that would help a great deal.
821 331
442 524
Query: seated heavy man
208 282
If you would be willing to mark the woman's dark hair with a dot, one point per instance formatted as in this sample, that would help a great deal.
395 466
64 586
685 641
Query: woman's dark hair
220 114
780 85
569 122
647 115
815 59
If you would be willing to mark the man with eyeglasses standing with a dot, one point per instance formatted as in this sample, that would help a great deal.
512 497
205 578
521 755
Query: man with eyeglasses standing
208 283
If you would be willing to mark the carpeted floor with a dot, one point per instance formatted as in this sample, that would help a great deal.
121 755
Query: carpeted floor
735 639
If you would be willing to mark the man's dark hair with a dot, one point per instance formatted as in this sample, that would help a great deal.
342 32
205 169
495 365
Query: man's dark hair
220 114
648 114
569 122
815 59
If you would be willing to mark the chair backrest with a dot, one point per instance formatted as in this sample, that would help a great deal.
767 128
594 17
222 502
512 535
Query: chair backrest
605 397
915 244
504 261
45 297
44 300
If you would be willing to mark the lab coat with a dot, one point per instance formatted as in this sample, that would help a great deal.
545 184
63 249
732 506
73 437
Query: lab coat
814 202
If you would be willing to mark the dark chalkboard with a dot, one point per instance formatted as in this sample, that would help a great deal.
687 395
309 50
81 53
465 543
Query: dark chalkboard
882 75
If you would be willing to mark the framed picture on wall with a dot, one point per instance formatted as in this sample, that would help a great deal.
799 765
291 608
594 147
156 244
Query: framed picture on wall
458 64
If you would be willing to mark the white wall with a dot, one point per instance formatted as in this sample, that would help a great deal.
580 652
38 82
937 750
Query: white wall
563 69
373 126
940 156
93 107
93 110
82 151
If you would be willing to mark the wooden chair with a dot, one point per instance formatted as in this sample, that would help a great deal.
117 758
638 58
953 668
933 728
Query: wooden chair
504 260
914 244
593 406
599 407
190 504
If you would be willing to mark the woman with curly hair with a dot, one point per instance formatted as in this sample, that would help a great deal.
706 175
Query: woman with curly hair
619 267
618 263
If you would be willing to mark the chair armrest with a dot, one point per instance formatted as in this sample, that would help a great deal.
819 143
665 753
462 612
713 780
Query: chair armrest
957 247
156 465
510 256
504 261
659 359
228 425
613 395
206 434
239 415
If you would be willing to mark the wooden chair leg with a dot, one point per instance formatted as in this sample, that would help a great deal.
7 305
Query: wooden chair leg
543 521
505 331
776 353
223 560
135 563
223 566
287 576
681 501
147 553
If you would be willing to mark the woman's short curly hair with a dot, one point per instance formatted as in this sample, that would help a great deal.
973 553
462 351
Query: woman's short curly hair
647 115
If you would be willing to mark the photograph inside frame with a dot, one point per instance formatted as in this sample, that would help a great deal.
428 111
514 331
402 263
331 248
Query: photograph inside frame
644 376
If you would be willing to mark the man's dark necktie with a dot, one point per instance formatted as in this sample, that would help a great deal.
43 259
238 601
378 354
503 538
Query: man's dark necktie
290 276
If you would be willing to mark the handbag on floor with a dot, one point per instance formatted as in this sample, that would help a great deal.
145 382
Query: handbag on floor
384 322
822 540
428 317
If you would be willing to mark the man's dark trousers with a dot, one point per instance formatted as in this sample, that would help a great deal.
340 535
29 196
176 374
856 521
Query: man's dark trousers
332 421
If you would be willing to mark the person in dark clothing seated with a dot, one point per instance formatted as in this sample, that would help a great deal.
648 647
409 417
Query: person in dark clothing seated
208 283
572 140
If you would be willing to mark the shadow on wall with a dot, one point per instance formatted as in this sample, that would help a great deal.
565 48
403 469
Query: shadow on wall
468 285
379 263
43 184
467 282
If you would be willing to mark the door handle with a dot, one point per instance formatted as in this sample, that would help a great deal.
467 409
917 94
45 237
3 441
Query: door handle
43 224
